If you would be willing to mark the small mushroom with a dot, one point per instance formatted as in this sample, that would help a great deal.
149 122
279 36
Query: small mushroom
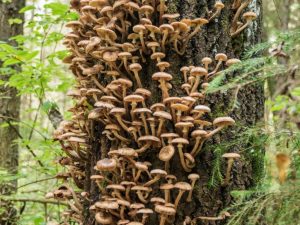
220 123
249 17
162 117
193 178
166 154
157 173
146 213
230 159
218 6
182 187
164 212
180 142
135 68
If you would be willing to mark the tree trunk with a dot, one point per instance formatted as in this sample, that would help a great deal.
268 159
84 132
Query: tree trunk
214 38
9 111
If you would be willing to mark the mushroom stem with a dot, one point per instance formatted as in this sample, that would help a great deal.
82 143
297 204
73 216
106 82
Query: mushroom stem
161 11
239 30
153 181
97 83
228 171
210 134
121 138
216 69
194 150
137 78
141 197
145 123
189 198
199 148
163 219
181 192
163 42
237 15
143 148
160 126
122 124
182 160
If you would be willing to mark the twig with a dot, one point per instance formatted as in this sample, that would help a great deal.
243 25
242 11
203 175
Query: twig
27 146
37 181
40 201
26 124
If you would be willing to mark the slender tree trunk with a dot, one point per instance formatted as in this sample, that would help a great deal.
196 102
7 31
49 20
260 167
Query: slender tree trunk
9 109
214 38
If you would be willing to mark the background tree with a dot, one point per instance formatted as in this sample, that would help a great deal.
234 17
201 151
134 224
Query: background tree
9 108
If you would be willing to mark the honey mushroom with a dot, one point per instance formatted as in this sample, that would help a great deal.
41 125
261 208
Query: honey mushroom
109 47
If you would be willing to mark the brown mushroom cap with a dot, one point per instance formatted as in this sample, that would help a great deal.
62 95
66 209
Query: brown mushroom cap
164 210
221 57
137 206
184 124
107 205
198 71
166 186
223 121
149 138
163 114
200 21
97 177
158 107
193 176
133 98
166 153
230 62
249 16
115 187
104 219
141 188
180 107
106 164
219 5
183 186
162 76
134 223
159 172
129 152
157 200
202 108
199 133
123 222
115 111
206 60
142 110
135 66
180 26
143 92
169 135
145 211
158 55
231 155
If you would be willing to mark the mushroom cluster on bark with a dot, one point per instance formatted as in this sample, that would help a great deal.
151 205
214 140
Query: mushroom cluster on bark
109 45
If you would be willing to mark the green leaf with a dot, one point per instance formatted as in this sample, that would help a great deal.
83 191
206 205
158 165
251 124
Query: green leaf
47 106
27 8
11 61
15 21
58 9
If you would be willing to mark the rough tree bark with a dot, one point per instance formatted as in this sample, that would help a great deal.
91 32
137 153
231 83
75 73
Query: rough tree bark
213 39
9 108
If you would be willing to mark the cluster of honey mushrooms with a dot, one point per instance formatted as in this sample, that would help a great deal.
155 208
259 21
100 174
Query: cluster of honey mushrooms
109 45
